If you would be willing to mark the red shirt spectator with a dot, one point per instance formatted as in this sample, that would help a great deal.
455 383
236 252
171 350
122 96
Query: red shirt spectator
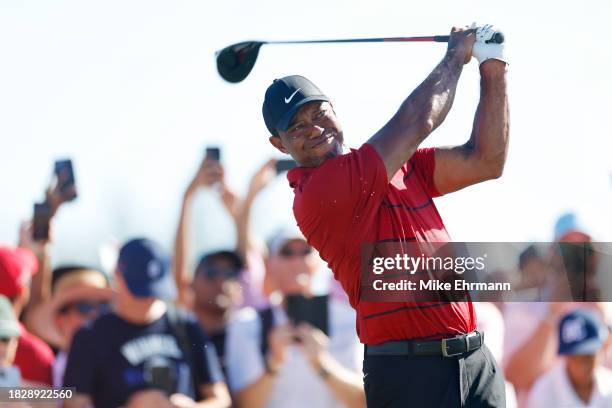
347 201
34 357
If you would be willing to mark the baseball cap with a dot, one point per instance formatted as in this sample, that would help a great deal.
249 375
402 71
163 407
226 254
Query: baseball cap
282 236
206 262
17 265
9 327
581 332
145 268
569 229
285 97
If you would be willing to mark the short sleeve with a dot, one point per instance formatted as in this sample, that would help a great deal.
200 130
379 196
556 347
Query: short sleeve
205 358
242 353
423 161
80 367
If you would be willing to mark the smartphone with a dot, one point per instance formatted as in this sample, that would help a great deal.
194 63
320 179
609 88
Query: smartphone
284 165
213 153
162 378
65 179
311 310
40 222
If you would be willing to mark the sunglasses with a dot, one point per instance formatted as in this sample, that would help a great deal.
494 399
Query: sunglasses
213 272
84 307
287 252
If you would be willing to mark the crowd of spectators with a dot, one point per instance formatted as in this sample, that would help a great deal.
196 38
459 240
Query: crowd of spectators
163 330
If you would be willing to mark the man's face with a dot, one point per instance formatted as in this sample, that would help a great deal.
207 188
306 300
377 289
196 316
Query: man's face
314 135
216 286
581 368
293 267
71 316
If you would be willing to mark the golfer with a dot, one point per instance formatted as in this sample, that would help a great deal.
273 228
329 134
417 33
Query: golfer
416 354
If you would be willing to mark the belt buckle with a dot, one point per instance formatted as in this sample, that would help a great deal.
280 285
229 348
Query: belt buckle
445 349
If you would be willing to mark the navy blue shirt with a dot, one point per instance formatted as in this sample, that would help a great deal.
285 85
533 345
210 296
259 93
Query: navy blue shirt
111 358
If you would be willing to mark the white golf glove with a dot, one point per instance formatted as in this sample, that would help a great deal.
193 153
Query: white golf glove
483 51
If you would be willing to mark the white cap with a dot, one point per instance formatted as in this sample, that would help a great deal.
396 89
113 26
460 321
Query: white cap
281 236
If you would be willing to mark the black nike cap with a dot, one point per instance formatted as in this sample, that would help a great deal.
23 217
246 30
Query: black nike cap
285 97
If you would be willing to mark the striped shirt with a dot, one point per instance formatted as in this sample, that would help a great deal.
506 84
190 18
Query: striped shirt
348 201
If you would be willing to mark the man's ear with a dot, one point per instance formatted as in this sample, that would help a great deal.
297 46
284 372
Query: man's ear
278 143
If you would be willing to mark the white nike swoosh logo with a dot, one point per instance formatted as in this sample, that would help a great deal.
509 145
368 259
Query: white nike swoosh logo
287 100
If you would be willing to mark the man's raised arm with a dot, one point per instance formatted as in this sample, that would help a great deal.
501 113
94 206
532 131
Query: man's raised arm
426 107
484 155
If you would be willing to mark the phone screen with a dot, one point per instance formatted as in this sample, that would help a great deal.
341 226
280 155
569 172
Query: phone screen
311 310
40 222
65 179
162 379
213 153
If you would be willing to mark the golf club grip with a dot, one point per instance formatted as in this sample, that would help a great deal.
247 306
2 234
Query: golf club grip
498 38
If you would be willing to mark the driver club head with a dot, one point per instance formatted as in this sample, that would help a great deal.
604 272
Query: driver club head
234 63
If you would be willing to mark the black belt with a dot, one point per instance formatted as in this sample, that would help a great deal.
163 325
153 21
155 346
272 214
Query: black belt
452 346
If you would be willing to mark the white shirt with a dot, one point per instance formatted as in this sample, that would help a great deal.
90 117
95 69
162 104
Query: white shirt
297 384
555 390
58 368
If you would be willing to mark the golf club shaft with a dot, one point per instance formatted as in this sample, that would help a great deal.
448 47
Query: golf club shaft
434 38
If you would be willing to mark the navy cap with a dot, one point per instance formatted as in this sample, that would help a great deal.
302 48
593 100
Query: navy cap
285 97
581 332
145 268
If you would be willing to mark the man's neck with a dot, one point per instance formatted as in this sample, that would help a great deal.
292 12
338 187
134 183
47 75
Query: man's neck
212 321
140 313
583 390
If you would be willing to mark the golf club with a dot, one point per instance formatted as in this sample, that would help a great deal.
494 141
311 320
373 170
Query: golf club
235 62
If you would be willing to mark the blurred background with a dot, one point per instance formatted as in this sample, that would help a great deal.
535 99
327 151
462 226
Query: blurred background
130 92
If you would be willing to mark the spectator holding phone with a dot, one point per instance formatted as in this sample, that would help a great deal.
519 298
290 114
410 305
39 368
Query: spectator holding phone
144 348
273 362
211 289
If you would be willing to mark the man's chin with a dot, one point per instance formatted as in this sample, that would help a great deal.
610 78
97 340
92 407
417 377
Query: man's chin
331 150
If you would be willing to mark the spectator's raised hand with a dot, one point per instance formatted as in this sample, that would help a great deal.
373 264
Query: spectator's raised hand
39 248
262 177
54 195
210 172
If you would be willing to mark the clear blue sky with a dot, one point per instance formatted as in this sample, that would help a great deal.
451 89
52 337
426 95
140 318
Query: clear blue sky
129 90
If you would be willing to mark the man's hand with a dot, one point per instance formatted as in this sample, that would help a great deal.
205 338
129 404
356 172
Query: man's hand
483 51
314 344
181 401
148 399
278 340
209 173
39 248
460 43
55 197
262 177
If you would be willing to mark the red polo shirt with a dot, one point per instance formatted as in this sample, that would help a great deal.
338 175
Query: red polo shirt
347 201
34 358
